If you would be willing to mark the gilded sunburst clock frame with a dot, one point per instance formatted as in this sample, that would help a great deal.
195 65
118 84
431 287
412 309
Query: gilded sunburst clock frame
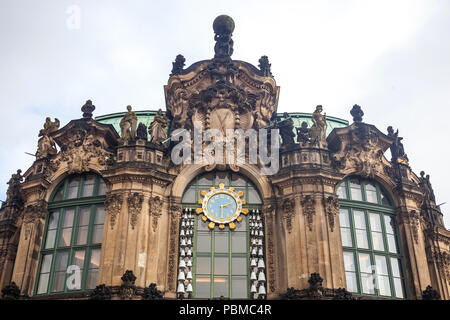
222 222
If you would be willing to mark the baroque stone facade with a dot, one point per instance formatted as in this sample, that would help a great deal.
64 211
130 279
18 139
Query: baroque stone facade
301 234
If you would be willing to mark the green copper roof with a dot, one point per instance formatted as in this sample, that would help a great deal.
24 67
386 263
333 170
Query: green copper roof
146 117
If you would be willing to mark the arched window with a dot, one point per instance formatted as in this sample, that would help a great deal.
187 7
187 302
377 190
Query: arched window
70 250
372 257
221 262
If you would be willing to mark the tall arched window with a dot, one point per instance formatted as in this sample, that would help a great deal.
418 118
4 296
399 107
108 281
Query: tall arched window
221 263
372 257
70 250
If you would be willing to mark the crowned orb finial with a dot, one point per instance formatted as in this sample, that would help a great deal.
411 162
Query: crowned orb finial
223 27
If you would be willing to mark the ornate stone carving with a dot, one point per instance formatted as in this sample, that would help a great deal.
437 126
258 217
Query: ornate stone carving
177 66
34 211
13 195
11 292
155 211
397 149
308 204
357 113
412 218
332 209
264 66
315 284
101 292
430 294
269 216
442 259
286 127
157 128
288 212
175 213
318 130
303 136
128 125
425 186
152 293
223 28
343 294
141 132
46 144
135 200
127 289
113 205
87 109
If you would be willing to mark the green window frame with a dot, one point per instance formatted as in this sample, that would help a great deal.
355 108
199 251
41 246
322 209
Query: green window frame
72 236
373 260
233 279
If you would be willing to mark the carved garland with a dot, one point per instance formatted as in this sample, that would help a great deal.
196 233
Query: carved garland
155 211
135 200
442 259
331 204
34 211
175 214
288 212
413 220
269 214
113 205
308 205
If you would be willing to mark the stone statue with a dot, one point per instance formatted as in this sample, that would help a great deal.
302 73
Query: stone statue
303 135
425 185
223 28
46 144
128 125
318 130
157 128
141 132
397 149
264 66
286 127
357 113
177 66
13 192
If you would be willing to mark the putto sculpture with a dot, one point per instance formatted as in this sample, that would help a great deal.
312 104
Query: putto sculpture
128 125
318 130
303 135
13 193
46 144
286 127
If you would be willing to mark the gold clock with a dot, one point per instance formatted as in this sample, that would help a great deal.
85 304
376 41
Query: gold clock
221 206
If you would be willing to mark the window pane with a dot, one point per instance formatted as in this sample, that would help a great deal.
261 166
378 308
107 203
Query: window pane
221 241
342 194
61 261
364 263
221 265
239 242
43 283
46 263
385 200
78 258
66 235
253 197
82 235
395 267
58 281
100 215
237 181
92 279
84 216
68 218
204 242
371 193
380 262
343 218
59 194
53 220
239 265
72 191
95 258
50 241
189 195
349 261
355 190
350 277
98 234
88 188
398 288
202 287
367 281
361 239
221 287
377 241
360 222
375 222
389 223
206 180
203 265
202 226
391 243
241 226
346 237
383 285
101 187
239 287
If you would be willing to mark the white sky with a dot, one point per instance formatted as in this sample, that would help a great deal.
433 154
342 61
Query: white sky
390 57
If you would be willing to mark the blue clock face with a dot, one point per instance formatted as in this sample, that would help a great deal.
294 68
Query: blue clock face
221 206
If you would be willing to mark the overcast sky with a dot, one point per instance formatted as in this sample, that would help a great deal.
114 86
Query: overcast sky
390 57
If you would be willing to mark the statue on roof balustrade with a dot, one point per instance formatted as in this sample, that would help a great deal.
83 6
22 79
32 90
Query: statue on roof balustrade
46 144
158 127
318 130
128 125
